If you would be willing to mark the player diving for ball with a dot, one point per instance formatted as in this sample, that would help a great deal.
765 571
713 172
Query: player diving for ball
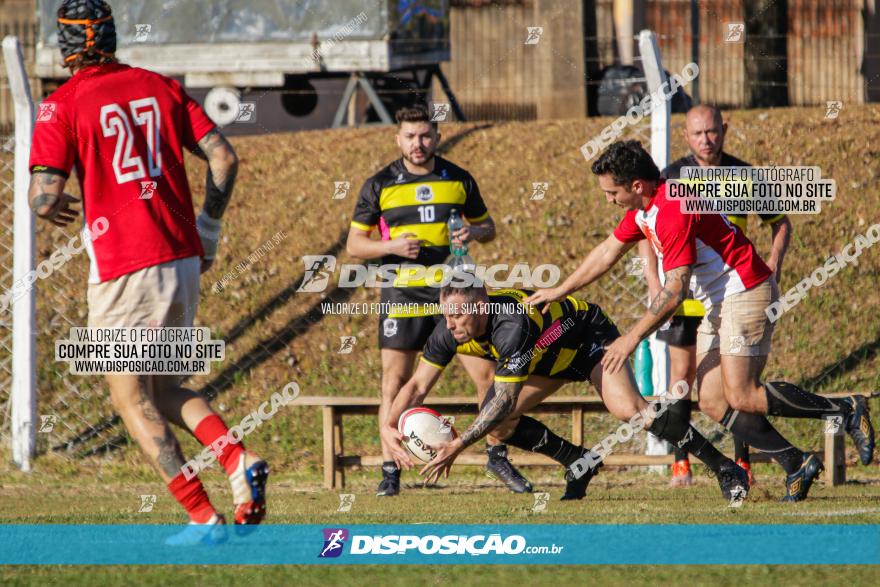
535 353
410 201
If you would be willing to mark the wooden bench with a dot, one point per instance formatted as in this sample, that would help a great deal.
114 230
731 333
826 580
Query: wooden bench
335 460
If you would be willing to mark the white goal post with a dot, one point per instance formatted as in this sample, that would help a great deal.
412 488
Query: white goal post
661 112
23 396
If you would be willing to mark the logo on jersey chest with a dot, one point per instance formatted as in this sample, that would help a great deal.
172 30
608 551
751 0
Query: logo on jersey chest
424 193
647 222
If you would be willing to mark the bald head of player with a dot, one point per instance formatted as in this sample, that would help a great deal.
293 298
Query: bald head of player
466 310
417 137
704 132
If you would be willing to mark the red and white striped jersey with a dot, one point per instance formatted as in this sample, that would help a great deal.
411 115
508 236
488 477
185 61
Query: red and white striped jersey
724 260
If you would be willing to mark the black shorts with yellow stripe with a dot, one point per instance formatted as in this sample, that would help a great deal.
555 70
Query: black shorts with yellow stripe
681 332
595 333
406 333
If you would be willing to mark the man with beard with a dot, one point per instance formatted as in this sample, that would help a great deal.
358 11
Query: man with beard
410 201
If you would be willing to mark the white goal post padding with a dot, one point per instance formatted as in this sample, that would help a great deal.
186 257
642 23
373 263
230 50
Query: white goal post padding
23 393
661 112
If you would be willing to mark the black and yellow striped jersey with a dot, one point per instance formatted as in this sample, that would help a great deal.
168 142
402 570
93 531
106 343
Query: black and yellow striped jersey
565 343
691 307
398 202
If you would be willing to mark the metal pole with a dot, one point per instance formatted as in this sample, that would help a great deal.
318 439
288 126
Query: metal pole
695 47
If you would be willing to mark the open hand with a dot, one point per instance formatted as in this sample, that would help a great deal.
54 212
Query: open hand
545 296
447 452
61 214
617 353
392 438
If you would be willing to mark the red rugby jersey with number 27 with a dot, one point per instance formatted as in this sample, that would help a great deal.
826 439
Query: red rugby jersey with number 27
124 130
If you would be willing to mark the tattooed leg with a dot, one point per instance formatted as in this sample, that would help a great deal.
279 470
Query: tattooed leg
170 459
132 397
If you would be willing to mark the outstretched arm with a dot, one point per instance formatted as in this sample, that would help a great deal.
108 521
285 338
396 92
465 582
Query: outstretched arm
594 266
662 307
413 393
493 412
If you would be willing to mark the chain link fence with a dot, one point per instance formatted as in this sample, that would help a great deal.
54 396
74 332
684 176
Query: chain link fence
7 156
76 418
68 407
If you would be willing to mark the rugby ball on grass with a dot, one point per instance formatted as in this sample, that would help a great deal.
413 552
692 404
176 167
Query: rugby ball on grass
423 428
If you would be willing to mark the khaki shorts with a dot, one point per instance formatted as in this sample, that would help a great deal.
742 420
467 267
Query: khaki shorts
739 326
161 295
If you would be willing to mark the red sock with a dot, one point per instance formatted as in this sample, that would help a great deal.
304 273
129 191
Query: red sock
208 431
191 495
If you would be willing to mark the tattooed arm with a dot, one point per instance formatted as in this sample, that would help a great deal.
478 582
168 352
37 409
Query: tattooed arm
491 415
48 200
493 412
662 307
665 303
222 171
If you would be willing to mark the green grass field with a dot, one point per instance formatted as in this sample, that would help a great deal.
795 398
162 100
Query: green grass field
480 576
830 342
109 494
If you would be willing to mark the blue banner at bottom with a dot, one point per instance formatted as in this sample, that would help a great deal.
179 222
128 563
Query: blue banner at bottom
506 544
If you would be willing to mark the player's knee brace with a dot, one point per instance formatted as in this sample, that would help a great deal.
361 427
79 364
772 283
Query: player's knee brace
668 425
